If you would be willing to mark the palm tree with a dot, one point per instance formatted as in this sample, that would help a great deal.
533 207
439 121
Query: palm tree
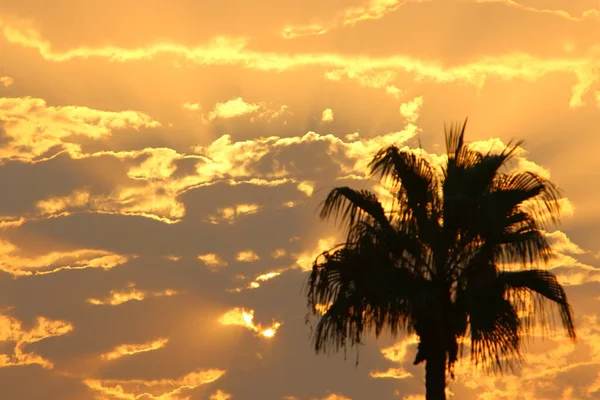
457 259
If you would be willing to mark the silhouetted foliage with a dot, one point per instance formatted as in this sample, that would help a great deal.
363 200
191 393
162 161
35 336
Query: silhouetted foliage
458 256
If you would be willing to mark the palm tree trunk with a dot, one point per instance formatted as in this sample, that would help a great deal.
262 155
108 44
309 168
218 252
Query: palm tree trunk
435 377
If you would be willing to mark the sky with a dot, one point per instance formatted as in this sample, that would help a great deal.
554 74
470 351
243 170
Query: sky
162 164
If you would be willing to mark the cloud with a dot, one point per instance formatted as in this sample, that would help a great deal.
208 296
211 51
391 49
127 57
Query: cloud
562 244
334 396
33 127
306 187
327 115
306 259
247 256
410 110
118 297
191 106
154 194
231 214
232 108
151 201
131 349
372 10
14 262
263 278
369 78
12 331
278 253
233 51
212 260
220 395
397 353
242 317
237 107
159 164
163 389
6 81
554 12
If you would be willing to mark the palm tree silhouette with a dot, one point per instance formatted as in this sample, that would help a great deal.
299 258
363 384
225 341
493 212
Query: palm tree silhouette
456 259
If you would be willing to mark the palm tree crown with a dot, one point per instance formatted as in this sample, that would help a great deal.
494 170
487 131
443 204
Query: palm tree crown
441 263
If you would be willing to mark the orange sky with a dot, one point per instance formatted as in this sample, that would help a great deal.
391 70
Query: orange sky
162 163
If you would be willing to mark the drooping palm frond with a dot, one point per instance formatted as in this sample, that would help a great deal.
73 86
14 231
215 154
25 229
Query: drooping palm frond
365 290
508 217
538 287
531 192
349 206
495 332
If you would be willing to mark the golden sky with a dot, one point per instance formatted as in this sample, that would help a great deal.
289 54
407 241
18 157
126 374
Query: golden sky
162 163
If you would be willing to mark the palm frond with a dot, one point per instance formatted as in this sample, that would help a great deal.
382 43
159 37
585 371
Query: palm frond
415 183
348 206
494 325
366 291
527 246
530 192
538 286
455 138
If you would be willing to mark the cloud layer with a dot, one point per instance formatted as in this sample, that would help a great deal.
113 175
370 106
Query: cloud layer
161 184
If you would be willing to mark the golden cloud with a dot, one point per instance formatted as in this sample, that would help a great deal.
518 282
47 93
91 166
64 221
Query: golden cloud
234 51
555 12
327 115
17 264
306 259
6 81
242 317
562 244
212 260
247 256
307 187
159 165
25 117
374 9
191 106
220 395
162 389
231 214
11 330
278 253
232 108
130 349
118 297
237 107
11 222
263 278
334 396
367 78
410 110
398 354
150 201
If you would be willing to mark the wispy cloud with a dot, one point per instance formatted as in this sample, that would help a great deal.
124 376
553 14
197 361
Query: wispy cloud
131 349
118 297
14 262
12 331
164 389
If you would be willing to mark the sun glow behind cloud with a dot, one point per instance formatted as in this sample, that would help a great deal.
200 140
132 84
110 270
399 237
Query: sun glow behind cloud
242 317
